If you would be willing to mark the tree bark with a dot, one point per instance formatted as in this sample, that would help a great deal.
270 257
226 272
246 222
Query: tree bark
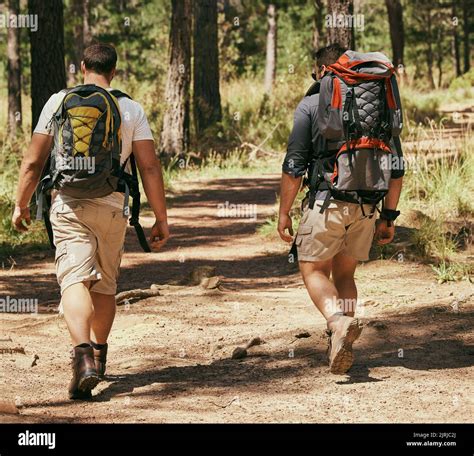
397 35
455 45
439 58
82 36
429 49
48 73
175 131
271 56
206 95
467 48
340 33
86 26
14 73
318 25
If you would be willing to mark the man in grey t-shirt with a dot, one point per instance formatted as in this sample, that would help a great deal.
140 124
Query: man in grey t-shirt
332 242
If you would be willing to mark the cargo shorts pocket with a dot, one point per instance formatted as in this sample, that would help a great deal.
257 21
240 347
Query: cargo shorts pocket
61 251
303 232
303 239
60 261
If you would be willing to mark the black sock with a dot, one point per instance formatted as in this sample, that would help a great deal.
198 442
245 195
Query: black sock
82 345
98 346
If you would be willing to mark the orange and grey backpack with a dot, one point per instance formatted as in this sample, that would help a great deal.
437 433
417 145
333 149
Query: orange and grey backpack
360 118
85 158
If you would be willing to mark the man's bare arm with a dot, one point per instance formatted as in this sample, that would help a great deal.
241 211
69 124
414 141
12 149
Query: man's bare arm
30 173
393 195
289 188
384 233
152 177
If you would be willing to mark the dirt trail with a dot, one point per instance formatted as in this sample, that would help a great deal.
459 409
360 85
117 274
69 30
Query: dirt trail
170 356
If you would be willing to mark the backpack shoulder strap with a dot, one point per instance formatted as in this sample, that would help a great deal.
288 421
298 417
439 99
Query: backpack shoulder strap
134 219
314 89
119 94
129 185
135 189
59 105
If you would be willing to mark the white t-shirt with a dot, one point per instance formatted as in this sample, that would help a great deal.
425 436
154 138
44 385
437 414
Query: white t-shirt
135 127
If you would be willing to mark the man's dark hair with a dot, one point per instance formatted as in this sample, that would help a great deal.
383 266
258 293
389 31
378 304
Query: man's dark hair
101 58
329 54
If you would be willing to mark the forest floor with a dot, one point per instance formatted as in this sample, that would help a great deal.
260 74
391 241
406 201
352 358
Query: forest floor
170 356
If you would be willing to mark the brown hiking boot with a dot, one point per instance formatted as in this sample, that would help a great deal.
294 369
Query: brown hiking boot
84 373
100 359
343 331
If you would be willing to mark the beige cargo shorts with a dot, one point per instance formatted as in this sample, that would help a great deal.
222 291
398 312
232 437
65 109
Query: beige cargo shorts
89 238
342 227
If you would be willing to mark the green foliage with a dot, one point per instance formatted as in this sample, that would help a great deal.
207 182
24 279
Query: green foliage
431 241
451 271
443 187
243 29
235 162
251 116
11 240
428 36
375 36
421 107
140 29
466 81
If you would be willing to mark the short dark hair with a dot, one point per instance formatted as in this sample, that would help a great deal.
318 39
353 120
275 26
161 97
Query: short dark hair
101 58
329 54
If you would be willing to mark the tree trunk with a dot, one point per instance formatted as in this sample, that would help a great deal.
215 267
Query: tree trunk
455 45
270 63
439 58
467 48
175 132
337 32
429 49
73 67
397 35
82 37
14 73
48 74
207 98
86 26
318 25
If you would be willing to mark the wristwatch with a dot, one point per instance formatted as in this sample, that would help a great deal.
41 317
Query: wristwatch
389 215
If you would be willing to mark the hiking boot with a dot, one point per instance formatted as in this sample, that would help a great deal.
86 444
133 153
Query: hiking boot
84 373
342 332
100 359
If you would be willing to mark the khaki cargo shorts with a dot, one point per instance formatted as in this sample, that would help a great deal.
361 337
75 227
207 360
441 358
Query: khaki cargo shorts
89 238
342 227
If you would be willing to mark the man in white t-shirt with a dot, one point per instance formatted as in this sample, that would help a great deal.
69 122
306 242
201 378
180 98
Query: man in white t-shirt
89 233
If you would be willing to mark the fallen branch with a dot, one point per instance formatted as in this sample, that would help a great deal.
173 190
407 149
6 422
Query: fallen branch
254 149
126 296
269 135
225 405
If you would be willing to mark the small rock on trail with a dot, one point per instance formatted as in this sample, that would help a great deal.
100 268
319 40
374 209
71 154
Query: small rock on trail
200 273
8 407
242 352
